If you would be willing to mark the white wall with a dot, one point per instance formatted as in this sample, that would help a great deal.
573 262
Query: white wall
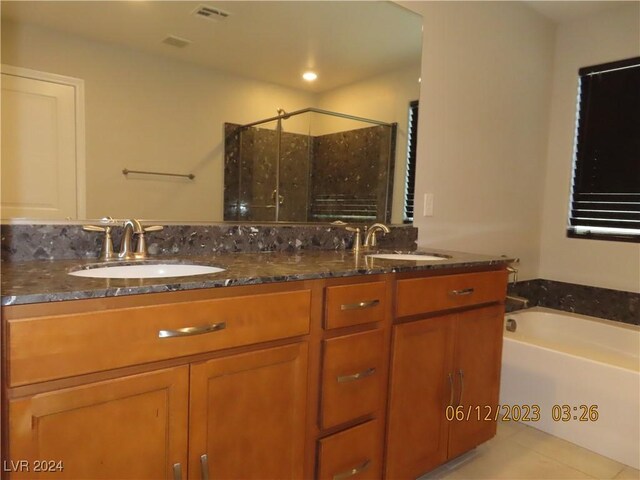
385 98
599 38
484 108
146 112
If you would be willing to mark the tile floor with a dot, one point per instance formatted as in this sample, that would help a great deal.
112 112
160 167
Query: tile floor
522 452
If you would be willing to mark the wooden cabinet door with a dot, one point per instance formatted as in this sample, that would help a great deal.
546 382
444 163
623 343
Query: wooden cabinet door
127 428
247 415
419 393
478 357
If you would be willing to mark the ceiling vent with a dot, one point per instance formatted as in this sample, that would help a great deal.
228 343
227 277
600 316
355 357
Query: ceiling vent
211 13
176 41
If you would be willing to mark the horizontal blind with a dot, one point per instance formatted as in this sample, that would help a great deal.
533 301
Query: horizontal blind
605 197
410 179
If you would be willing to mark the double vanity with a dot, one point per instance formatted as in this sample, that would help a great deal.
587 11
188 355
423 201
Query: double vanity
320 364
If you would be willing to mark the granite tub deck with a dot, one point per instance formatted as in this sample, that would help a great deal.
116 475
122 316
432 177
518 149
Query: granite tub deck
49 281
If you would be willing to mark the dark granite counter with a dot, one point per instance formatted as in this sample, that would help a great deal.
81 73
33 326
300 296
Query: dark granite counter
49 281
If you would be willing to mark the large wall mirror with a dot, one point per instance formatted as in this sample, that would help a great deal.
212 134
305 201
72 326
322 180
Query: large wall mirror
198 112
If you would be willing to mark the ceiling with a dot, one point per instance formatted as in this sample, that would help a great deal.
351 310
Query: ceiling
274 41
564 11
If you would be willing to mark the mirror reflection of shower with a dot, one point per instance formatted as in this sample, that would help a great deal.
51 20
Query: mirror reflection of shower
309 165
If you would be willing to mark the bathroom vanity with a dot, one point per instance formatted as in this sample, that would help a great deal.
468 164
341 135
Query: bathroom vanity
329 373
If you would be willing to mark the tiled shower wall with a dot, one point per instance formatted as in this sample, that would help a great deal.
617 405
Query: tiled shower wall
355 164
250 172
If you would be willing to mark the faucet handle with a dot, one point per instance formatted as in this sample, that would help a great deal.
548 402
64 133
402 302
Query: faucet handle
356 240
141 247
95 228
107 252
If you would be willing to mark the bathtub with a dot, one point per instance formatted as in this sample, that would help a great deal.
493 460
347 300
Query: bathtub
566 364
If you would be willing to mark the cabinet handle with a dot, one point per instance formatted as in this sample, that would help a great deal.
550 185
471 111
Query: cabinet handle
354 471
451 389
356 376
461 386
188 331
177 471
204 467
460 293
359 305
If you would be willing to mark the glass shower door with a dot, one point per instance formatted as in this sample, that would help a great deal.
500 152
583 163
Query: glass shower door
258 173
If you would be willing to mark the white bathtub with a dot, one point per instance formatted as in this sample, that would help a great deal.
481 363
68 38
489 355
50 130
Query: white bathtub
560 358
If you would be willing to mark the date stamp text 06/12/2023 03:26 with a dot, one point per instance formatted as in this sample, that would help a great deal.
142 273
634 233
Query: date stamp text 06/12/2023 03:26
521 413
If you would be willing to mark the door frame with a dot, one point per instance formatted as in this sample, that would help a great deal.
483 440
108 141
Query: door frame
78 87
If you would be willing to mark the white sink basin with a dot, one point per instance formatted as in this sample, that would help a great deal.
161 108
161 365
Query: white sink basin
416 257
158 270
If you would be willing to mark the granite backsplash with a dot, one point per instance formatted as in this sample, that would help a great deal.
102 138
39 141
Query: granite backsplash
54 241
594 301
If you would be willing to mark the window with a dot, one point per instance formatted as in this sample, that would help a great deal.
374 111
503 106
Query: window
605 192
410 179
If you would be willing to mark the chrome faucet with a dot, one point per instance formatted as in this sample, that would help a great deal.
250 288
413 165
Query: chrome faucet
370 239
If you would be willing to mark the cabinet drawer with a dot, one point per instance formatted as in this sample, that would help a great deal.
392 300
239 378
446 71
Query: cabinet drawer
352 453
423 295
50 347
352 377
355 304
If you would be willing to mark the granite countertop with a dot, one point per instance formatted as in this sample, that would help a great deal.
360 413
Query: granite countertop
48 281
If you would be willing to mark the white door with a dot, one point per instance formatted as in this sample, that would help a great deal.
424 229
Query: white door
39 149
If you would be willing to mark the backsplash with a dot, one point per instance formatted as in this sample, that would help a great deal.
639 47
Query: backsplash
594 301
48 242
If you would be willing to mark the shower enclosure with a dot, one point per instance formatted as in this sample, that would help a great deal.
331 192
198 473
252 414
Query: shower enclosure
310 165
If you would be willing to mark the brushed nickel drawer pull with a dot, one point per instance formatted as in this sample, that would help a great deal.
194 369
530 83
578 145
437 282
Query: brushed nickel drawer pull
359 305
204 467
461 373
356 376
451 389
188 331
177 471
354 471
459 293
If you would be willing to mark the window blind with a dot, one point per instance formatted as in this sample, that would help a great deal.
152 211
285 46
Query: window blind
605 193
410 179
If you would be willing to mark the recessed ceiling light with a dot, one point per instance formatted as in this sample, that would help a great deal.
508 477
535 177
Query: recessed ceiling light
309 76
